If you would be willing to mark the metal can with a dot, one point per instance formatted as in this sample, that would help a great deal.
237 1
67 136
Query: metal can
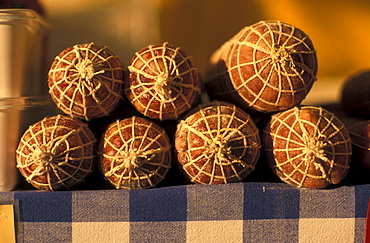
24 95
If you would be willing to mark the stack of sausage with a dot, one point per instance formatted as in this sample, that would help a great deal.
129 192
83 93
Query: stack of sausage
141 122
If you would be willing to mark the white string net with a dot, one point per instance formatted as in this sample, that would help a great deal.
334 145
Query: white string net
359 131
268 66
217 143
360 134
85 81
163 81
135 154
56 153
308 147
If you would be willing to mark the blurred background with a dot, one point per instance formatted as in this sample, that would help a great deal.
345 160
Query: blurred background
339 29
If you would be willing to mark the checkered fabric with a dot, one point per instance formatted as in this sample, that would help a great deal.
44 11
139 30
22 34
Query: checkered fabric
237 212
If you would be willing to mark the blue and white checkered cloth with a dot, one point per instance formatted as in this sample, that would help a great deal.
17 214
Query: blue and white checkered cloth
238 212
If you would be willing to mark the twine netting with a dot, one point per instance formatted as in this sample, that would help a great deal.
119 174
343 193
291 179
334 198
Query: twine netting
85 81
359 131
218 143
360 134
135 154
56 153
163 81
308 147
269 66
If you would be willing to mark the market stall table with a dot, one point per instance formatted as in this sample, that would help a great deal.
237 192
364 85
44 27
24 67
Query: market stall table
236 212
